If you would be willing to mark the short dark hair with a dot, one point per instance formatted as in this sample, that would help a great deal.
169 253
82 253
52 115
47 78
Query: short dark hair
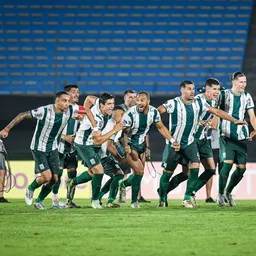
118 108
104 97
59 93
211 81
236 75
184 83
146 93
129 91
68 87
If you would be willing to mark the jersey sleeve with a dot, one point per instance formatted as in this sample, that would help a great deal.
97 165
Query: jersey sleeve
128 119
205 106
250 103
38 113
169 106
157 117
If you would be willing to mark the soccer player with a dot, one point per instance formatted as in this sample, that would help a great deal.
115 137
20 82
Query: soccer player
208 95
3 170
111 160
67 152
130 100
236 102
51 120
185 112
89 146
139 119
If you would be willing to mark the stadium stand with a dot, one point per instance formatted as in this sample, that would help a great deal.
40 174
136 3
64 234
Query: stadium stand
111 45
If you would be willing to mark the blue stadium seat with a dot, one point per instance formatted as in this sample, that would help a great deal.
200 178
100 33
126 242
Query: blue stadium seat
112 45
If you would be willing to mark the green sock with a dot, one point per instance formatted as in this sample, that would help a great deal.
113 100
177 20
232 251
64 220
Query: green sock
96 184
203 178
191 183
114 187
34 185
82 178
164 182
136 187
72 174
176 180
45 191
223 178
128 182
235 178
56 186
104 190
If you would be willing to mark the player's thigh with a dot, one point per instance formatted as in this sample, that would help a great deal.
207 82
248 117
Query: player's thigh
54 161
204 149
170 158
241 153
90 155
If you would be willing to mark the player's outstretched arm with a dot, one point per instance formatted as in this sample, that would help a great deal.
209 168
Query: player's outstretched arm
89 101
224 115
20 117
166 134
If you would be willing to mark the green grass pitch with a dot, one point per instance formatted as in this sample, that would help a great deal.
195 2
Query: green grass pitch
208 230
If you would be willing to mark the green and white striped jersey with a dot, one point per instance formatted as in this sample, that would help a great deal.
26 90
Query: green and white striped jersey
124 107
49 127
183 119
109 126
236 106
205 115
84 133
70 128
140 123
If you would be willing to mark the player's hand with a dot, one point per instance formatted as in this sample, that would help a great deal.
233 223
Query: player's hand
204 123
253 134
128 149
119 126
96 133
176 146
79 117
238 122
69 138
4 133
148 152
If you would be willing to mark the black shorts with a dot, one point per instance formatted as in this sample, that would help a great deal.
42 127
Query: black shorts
68 161
110 166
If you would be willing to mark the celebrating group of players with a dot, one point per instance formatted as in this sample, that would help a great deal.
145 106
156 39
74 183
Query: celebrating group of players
113 139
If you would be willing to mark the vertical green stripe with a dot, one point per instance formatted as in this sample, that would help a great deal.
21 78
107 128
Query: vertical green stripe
131 117
40 126
189 124
235 114
86 135
143 120
54 131
174 116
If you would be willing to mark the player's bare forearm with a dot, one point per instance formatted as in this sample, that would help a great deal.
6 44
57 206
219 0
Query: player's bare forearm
163 130
112 149
225 116
126 137
99 140
90 116
20 117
